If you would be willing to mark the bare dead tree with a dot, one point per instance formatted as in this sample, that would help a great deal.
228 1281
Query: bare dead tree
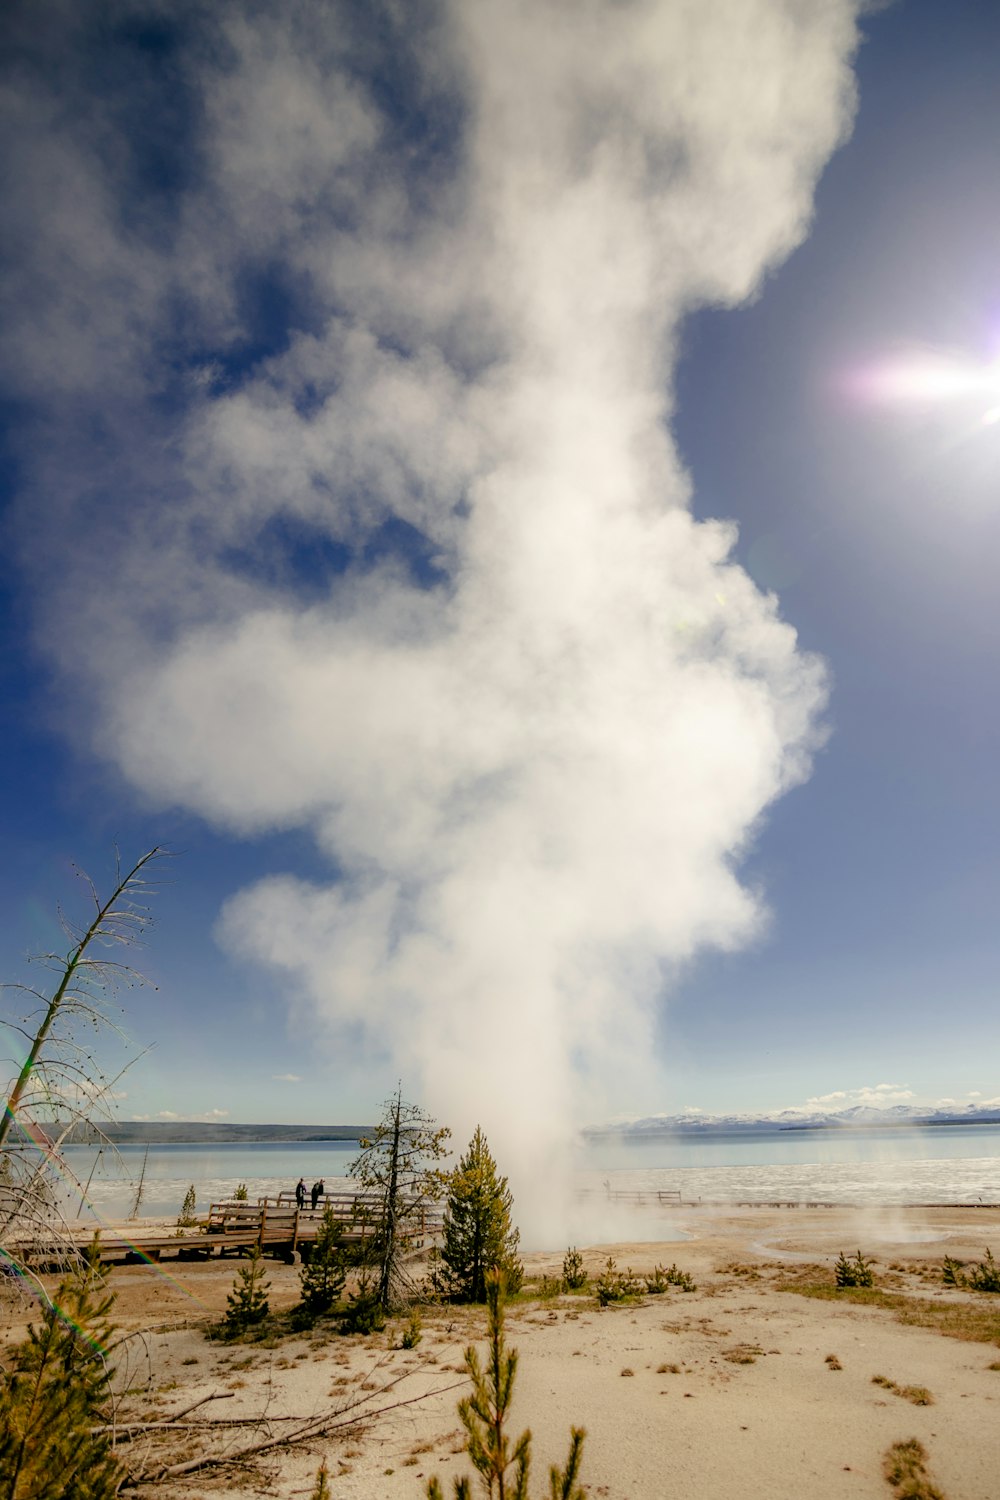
59 1088
400 1184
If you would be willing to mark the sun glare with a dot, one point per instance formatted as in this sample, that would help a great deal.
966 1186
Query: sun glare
926 379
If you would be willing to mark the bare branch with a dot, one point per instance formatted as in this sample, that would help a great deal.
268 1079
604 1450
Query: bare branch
60 1084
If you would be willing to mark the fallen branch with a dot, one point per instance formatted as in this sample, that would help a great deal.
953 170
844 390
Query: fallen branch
316 1427
186 1410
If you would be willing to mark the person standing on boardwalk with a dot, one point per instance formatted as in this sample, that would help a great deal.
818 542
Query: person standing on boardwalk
317 1189
300 1193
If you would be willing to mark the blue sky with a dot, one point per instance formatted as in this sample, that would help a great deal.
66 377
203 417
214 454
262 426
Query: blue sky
372 389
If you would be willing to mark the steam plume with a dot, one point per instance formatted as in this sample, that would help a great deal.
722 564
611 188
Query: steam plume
527 704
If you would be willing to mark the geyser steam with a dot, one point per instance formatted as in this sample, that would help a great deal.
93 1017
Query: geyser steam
527 704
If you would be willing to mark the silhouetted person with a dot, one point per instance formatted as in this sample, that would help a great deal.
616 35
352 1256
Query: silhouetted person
317 1189
300 1193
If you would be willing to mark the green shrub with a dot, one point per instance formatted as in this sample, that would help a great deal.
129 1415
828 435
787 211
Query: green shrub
364 1312
247 1304
187 1217
617 1286
54 1441
661 1278
322 1276
952 1273
855 1271
986 1276
573 1274
240 1195
413 1332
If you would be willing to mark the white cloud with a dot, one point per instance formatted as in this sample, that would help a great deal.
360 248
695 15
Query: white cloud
537 778
286 1077
874 1096
167 1114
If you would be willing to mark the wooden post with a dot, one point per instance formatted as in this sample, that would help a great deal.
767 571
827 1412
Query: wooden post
263 1221
295 1231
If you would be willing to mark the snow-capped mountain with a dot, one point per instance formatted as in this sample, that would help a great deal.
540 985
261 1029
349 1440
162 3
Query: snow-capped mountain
803 1118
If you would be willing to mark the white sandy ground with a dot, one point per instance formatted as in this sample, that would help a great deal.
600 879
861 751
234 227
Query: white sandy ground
785 1427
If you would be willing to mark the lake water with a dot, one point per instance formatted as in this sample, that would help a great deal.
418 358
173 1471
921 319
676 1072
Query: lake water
949 1165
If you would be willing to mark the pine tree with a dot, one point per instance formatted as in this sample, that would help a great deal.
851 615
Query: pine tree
322 1489
484 1415
478 1234
187 1218
53 1441
322 1277
854 1272
396 1172
247 1303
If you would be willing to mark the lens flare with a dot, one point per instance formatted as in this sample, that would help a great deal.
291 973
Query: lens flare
928 379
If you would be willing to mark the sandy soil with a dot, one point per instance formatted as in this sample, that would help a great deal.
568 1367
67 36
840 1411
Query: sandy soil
726 1391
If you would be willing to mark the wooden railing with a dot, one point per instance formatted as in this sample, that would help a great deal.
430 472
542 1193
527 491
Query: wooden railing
280 1221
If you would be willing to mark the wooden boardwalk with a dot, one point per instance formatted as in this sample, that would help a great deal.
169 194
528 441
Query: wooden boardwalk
276 1225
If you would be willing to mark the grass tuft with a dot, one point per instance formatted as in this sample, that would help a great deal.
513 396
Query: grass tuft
905 1469
743 1354
917 1395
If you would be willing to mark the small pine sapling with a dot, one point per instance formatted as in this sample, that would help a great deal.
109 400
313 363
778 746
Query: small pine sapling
240 1195
986 1276
951 1272
413 1332
855 1271
187 1218
247 1304
54 1438
676 1277
322 1277
321 1490
616 1286
573 1274
364 1312
503 1466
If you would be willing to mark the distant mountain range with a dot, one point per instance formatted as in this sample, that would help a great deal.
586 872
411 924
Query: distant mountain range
858 1115
199 1132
